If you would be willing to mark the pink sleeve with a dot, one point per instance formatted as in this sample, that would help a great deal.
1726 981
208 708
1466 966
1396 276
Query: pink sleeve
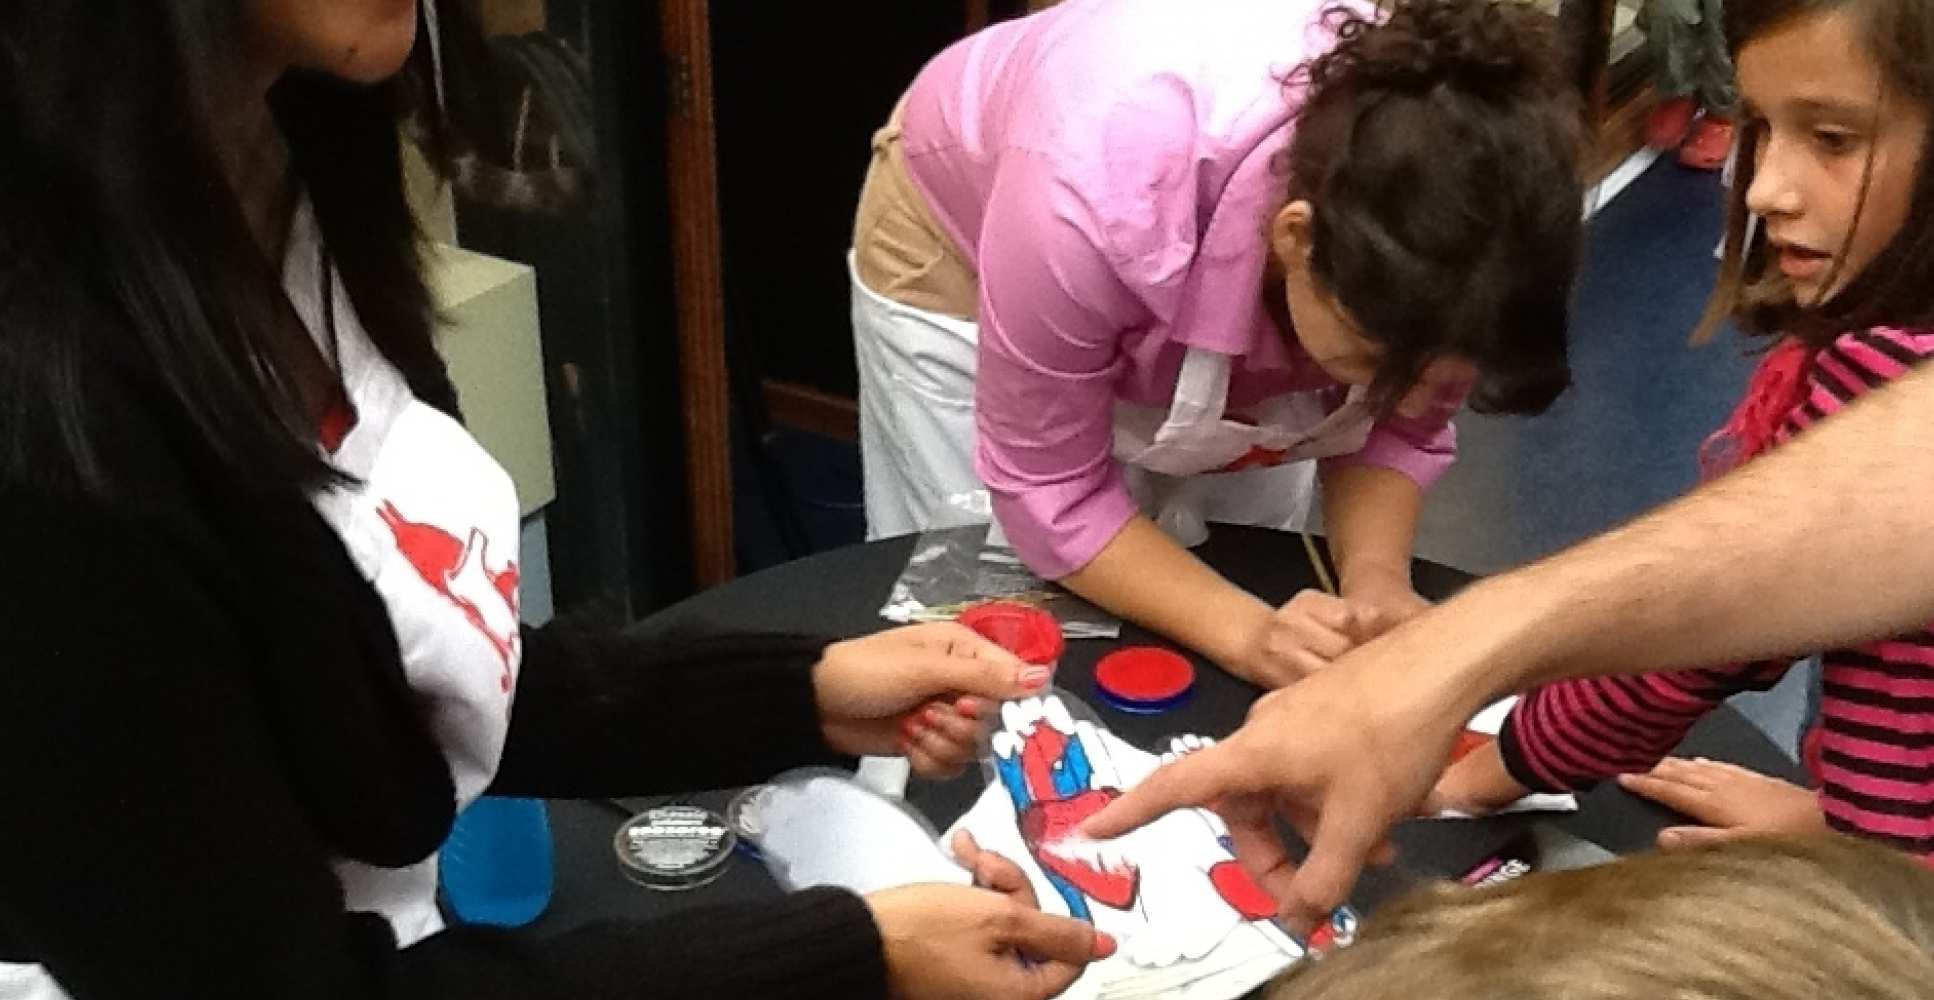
1421 447
1052 312
1573 734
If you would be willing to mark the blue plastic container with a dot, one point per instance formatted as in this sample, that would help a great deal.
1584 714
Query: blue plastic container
497 866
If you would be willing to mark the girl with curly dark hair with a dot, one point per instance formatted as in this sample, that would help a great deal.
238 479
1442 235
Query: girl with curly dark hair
1138 262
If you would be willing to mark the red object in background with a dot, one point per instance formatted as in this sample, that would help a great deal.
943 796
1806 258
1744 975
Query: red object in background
1670 123
1468 743
1709 145
1021 629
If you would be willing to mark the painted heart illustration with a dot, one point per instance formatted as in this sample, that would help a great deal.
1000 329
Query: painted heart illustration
1241 892
1049 822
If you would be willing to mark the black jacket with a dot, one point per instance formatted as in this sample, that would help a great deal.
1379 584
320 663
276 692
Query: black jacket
202 705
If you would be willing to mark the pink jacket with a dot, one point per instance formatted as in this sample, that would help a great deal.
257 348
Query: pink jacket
1108 168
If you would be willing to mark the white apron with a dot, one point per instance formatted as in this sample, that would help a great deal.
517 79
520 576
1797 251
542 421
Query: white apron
433 525
1198 463
1187 466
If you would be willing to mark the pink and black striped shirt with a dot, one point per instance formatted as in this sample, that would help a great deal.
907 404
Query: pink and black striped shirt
1872 753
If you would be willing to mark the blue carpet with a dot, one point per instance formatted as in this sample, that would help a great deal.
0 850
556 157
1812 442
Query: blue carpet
1624 438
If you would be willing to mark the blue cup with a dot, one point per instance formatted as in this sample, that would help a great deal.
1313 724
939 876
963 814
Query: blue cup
497 867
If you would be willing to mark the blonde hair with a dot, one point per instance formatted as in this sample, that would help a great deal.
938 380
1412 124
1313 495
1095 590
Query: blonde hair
1812 919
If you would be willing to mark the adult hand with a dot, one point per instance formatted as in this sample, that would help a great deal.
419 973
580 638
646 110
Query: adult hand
1343 756
1729 801
919 691
948 942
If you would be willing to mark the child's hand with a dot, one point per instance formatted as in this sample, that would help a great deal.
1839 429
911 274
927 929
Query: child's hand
1304 636
1478 785
1731 801
1380 602
1316 628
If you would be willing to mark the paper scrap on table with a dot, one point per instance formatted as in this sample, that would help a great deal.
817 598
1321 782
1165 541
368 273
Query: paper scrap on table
1490 722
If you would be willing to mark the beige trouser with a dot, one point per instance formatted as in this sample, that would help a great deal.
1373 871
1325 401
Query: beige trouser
899 249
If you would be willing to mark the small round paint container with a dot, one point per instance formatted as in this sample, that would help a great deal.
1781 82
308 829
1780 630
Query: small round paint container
1144 680
1022 629
675 848
744 815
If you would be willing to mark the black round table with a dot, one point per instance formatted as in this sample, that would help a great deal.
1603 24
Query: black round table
839 594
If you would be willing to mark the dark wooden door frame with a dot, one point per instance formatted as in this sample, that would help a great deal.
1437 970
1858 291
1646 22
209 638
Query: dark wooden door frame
692 173
698 269
1589 23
